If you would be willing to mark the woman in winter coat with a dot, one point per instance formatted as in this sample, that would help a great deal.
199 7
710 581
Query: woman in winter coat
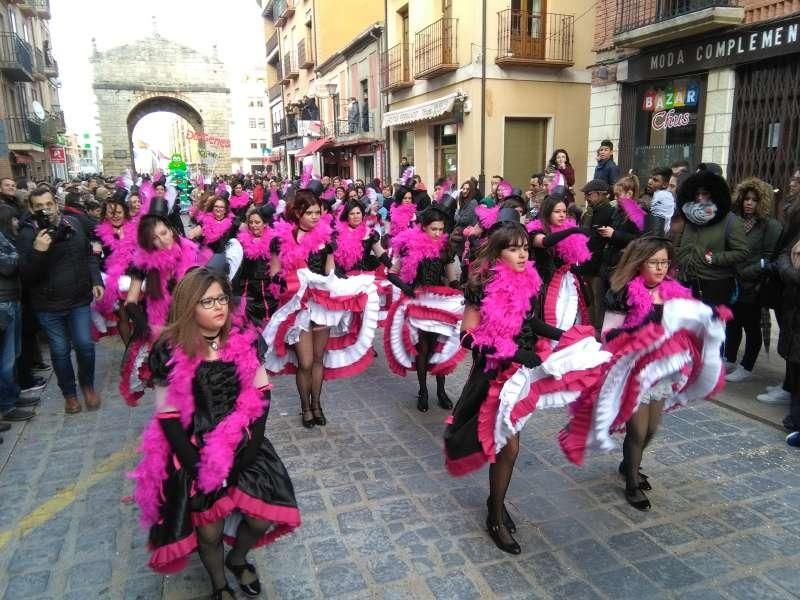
627 223
713 241
753 204
788 268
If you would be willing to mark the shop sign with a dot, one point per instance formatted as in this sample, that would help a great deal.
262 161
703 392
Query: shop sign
57 154
669 119
211 140
736 46
673 95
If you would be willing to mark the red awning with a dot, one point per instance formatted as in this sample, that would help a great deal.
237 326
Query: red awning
313 147
22 158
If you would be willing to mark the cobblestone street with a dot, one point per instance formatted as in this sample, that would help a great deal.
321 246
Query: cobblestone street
382 519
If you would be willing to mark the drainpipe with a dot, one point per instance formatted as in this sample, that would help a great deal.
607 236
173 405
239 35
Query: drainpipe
482 175
387 136
378 45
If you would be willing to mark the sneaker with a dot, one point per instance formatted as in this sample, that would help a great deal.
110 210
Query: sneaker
793 439
781 397
17 414
730 366
739 375
38 383
772 389
40 366
27 402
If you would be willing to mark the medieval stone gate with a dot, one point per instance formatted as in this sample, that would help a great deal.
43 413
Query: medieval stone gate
155 74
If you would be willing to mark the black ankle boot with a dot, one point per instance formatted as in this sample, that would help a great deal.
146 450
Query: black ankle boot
644 484
507 520
307 423
444 399
422 400
637 499
511 547
220 593
319 419
251 589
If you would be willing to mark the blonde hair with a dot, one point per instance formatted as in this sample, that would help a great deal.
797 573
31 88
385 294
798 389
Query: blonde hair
635 254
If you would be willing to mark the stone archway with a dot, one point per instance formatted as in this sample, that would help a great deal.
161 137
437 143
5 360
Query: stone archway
157 74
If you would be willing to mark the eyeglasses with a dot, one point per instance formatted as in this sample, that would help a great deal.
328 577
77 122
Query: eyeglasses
658 264
208 303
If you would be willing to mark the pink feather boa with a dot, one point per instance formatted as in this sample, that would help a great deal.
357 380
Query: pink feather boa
117 263
146 193
401 216
274 199
413 245
640 303
574 249
349 245
170 264
218 450
487 216
238 201
294 254
255 247
506 302
635 213
213 230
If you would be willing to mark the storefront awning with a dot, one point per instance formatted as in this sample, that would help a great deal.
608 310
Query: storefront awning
22 158
313 147
424 111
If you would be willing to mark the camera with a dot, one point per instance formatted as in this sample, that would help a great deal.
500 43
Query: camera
43 221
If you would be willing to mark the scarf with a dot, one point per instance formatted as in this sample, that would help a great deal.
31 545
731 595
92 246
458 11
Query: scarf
171 264
240 200
349 246
749 223
635 213
640 303
413 246
401 216
219 445
699 213
294 254
573 249
213 230
256 248
506 302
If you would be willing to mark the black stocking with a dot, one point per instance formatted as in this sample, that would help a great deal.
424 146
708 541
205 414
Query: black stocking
249 532
499 477
440 384
319 344
636 430
209 547
424 351
305 361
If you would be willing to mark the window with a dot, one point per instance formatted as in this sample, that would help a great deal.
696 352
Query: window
253 145
251 123
264 146
260 103
250 103
262 124
446 151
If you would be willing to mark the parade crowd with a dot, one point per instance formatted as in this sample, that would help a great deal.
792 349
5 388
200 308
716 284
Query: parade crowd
612 303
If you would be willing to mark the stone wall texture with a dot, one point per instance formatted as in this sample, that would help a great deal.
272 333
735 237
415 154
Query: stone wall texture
157 74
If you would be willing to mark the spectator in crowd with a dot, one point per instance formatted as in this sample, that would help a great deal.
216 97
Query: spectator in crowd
753 205
662 202
564 173
679 166
8 195
606 169
404 164
788 268
62 274
599 213
713 240
627 223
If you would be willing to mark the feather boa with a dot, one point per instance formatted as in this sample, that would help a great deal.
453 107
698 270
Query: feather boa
574 249
218 450
255 247
635 213
413 246
240 200
401 216
146 193
294 254
349 245
213 230
117 263
506 302
487 216
170 264
640 303
274 199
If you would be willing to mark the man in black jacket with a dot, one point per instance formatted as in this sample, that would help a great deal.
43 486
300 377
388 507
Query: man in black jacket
599 213
62 274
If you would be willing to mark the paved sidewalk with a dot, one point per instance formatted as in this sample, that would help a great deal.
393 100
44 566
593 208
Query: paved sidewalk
381 518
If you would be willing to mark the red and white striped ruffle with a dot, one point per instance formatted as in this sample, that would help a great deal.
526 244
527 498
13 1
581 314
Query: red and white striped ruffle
680 355
348 306
564 304
434 309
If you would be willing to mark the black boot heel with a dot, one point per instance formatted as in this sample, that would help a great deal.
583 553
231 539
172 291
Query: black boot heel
444 400
637 499
218 594
251 589
507 520
422 401
493 528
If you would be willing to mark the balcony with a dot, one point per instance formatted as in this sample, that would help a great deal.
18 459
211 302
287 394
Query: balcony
38 65
305 54
396 67
436 49
50 66
527 39
57 115
16 59
278 133
283 10
344 131
27 7
641 23
272 43
275 92
23 134
42 8
290 129
290 70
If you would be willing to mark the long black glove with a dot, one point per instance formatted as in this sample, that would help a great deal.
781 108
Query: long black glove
141 327
386 241
528 358
278 280
179 442
468 342
552 239
402 285
386 260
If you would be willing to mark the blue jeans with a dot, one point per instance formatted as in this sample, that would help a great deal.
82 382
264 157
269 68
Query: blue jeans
11 340
65 329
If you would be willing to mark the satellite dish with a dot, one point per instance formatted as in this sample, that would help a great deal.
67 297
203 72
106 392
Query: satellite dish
38 110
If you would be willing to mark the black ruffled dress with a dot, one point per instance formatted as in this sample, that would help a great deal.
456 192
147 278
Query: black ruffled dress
260 488
252 285
463 450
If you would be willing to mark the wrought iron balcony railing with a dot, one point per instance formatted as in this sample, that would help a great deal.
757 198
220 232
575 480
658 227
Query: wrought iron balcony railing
42 8
396 68
275 91
290 70
633 14
344 129
272 42
23 130
305 54
16 60
38 64
535 39
436 49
